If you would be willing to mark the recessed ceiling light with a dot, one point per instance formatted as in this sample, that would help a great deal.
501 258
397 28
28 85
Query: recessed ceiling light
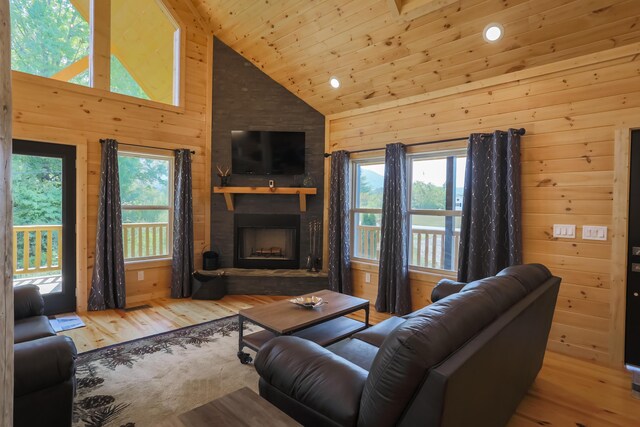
334 82
493 32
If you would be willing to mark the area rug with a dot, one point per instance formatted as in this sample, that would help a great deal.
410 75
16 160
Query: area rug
138 383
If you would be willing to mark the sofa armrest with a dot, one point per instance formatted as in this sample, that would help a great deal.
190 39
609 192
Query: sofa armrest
27 302
446 287
313 376
43 363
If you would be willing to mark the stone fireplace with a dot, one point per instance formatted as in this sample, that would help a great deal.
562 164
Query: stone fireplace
266 241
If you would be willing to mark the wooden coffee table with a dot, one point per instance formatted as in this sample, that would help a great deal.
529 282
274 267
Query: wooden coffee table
241 408
323 325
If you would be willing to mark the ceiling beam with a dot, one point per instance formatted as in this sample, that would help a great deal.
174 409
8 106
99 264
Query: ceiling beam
72 70
409 10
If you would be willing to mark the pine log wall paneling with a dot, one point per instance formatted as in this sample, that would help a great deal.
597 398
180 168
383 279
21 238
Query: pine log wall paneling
52 111
572 111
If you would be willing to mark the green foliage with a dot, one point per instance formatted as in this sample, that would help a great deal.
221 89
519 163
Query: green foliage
46 36
427 196
368 219
49 35
36 190
144 182
368 197
122 82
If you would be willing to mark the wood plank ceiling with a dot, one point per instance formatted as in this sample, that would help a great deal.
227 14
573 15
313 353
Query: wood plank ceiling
380 54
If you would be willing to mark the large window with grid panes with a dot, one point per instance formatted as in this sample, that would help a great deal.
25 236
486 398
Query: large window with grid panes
436 188
146 193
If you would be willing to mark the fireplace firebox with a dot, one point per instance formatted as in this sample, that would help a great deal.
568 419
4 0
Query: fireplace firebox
266 241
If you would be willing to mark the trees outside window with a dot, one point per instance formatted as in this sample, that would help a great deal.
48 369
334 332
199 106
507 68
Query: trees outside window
435 208
146 189
52 39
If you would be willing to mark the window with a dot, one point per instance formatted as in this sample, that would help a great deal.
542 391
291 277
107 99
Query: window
50 39
145 41
146 193
435 207
53 39
368 183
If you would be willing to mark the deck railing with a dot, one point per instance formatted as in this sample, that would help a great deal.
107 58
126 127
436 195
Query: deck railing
427 245
37 248
145 239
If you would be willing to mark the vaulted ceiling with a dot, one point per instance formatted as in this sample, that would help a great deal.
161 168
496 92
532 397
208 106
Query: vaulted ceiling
389 49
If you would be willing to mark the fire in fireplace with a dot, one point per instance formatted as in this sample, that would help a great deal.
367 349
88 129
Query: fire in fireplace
266 241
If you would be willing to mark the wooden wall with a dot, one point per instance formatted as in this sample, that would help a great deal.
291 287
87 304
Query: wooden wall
572 111
52 111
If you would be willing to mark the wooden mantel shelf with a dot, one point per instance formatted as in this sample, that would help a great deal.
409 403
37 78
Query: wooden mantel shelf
228 193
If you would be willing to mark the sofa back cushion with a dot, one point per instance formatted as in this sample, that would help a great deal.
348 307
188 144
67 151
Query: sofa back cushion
426 339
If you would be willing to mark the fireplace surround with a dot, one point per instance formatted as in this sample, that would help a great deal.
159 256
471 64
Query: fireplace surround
268 241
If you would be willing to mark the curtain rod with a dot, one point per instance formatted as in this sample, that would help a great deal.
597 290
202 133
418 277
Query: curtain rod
146 146
520 132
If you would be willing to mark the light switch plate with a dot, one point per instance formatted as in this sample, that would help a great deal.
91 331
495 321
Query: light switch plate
594 232
367 277
564 231
140 275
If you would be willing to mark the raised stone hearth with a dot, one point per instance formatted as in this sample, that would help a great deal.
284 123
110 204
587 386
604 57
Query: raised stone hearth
249 281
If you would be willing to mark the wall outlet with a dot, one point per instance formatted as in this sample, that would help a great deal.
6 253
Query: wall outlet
367 277
140 275
594 232
564 231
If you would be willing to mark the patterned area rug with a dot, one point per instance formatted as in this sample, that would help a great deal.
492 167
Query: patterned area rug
138 383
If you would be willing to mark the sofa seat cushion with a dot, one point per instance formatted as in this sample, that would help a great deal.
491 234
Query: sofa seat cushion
425 340
376 334
355 351
314 376
32 328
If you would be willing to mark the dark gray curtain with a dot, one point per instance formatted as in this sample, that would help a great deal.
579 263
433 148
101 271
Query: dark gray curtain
491 232
107 282
182 263
339 224
394 294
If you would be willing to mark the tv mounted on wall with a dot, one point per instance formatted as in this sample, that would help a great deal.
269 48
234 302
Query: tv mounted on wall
267 153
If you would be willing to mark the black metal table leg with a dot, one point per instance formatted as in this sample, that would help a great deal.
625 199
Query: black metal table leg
366 316
245 358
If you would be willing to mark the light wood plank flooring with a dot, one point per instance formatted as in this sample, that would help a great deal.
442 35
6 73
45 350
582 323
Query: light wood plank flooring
567 392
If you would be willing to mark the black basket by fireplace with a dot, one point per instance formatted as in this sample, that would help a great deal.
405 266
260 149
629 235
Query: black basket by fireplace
210 260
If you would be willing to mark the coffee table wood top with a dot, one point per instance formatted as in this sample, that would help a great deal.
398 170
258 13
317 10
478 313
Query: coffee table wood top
283 317
241 408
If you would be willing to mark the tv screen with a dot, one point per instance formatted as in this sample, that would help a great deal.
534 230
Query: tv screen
267 153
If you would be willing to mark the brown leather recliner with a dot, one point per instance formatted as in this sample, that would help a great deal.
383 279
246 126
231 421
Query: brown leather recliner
44 363
467 359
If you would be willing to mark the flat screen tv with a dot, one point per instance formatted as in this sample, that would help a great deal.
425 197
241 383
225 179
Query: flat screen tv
267 153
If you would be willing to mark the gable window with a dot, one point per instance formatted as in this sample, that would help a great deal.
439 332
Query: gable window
435 207
146 193
136 45
366 207
50 39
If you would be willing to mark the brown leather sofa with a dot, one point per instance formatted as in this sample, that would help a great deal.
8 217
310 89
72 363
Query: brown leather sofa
45 365
465 360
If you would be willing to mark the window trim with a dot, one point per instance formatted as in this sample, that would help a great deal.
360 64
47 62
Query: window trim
151 154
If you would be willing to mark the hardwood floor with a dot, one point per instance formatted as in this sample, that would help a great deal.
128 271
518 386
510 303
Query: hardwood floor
567 392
